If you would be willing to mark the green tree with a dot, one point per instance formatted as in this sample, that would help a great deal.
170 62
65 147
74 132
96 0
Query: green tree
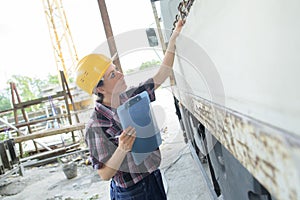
149 64
38 85
29 88
129 71
5 100
24 86
53 79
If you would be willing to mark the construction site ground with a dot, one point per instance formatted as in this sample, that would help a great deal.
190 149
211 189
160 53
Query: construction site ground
181 175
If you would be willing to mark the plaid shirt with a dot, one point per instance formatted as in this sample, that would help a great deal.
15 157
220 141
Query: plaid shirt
100 135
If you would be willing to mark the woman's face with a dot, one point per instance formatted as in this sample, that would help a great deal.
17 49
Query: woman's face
113 82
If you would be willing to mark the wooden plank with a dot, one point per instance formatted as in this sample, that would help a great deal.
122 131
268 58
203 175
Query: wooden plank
38 101
22 124
50 132
38 161
41 120
6 111
48 154
14 170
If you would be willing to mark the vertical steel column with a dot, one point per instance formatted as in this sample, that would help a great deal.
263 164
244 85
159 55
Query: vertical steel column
109 34
163 45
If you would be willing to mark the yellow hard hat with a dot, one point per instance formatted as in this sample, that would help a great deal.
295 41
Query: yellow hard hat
90 70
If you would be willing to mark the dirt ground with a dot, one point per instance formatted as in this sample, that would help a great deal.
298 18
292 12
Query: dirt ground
182 178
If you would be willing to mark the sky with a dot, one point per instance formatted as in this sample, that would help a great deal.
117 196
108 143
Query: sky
25 44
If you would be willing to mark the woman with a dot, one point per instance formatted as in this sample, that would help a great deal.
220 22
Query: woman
108 143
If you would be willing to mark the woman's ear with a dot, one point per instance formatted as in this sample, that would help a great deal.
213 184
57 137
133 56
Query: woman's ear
100 90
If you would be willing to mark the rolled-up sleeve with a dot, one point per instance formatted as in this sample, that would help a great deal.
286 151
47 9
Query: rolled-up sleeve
101 149
147 86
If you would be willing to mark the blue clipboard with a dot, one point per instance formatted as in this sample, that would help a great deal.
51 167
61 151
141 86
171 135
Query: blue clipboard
137 112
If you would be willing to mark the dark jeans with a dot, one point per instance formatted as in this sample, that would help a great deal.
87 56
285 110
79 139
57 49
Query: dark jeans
149 188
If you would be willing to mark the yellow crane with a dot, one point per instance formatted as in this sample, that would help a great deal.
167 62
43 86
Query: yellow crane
62 42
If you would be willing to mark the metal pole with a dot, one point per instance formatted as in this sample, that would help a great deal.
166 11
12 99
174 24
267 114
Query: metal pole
163 45
109 34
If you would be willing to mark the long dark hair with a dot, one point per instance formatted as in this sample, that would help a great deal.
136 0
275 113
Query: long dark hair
99 95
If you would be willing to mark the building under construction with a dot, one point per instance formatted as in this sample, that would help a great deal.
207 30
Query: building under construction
233 89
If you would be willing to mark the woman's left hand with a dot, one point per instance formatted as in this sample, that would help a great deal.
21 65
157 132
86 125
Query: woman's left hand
177 29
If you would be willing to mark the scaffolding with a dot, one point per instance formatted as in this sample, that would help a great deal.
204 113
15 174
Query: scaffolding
32 134
62 42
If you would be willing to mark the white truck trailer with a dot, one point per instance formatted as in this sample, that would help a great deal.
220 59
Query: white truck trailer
237 70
